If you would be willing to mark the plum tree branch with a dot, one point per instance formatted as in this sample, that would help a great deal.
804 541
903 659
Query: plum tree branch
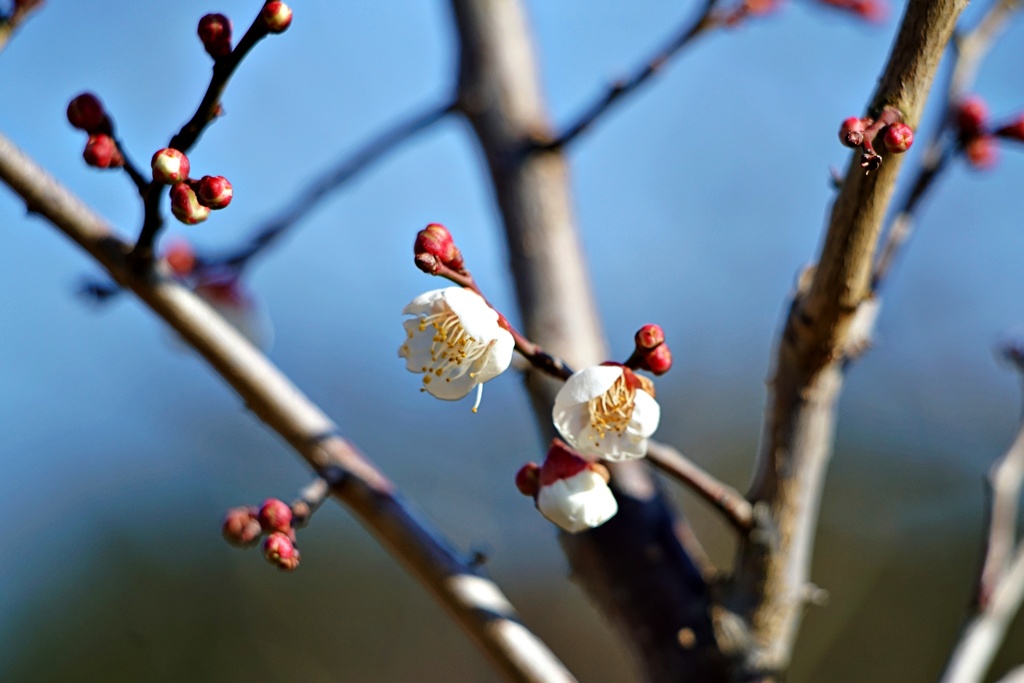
475 603
12 22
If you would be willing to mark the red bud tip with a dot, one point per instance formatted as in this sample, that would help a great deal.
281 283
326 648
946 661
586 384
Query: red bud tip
528 479
275 515
276 16
658 360
851 132
562 462
982 152
1014 130
101 151
971 116
280 551
86 112
185 206
898 138
240 527
180 257
649 336
170 166
214 192
215 32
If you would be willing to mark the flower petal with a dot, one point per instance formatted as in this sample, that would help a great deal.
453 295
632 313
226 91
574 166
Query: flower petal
577 503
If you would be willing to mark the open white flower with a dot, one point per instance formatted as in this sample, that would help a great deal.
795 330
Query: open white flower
607 411
455 341
572 493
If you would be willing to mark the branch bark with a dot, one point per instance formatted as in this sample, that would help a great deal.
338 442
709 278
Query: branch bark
633 566
771 586
476 604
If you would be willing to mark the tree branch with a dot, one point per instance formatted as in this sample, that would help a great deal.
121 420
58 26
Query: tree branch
476 604
10 24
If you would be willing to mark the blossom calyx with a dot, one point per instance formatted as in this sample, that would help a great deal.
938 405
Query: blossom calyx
528 479
276 16
275 515
215 32
101 152
607 411
574 493
86 112
214 192
435 240
241 527
170 166
185 206
281 552
454 339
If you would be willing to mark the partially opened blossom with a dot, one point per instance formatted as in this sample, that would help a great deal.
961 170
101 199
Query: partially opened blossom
455 341
574 493
607 411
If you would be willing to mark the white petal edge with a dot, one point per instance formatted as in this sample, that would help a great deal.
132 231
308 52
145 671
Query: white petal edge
583 501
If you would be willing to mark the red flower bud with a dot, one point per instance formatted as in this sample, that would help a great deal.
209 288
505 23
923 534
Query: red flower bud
1014 130
214 192
528 479
658 360
180 257
185 207
898 138
86 112
170 166
971 115
275 515
562 462
276 16
982 152
215 32
101 151
280 551
240 527
649 336
851 132
869 10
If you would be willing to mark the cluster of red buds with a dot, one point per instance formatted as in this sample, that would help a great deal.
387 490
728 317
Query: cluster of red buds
434 248
651 353
86 113
977 137
191 200
873 11
244 526
863 133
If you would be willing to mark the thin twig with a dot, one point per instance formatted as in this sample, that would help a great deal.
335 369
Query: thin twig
475 602
737 510
9 24
311 497
972 47
677 41
328 182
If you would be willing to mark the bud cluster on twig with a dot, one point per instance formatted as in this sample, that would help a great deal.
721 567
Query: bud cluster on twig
191 200
243 527
976 135
897 137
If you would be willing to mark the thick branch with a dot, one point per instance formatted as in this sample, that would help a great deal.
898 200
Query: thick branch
476 604
771 582
633 566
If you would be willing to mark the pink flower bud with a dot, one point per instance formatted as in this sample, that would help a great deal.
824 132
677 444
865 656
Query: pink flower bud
214 192
971 115
280 551
185 207
1014 130
649 336
275 515
658 360
215 32
241 528
180 257
276 16
86 112
170 166
851 132
898 138
101 151
528 479
982 152
436 241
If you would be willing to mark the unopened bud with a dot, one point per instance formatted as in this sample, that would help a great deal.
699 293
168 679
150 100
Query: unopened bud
971 115
170 166
180 257
101 151
528 479
86 112
437 241
275 515
851 132
982 152
898 138
1013 130
214 192
185 206
215 32
280 551
649 336
658 360
276 16
241 528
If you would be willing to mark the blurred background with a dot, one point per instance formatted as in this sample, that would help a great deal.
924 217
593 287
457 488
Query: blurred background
699 199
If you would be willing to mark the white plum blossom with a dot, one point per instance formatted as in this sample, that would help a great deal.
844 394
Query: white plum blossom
455 341
607 411
573 493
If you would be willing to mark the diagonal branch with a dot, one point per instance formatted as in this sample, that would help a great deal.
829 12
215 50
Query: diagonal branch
10 24
475 603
